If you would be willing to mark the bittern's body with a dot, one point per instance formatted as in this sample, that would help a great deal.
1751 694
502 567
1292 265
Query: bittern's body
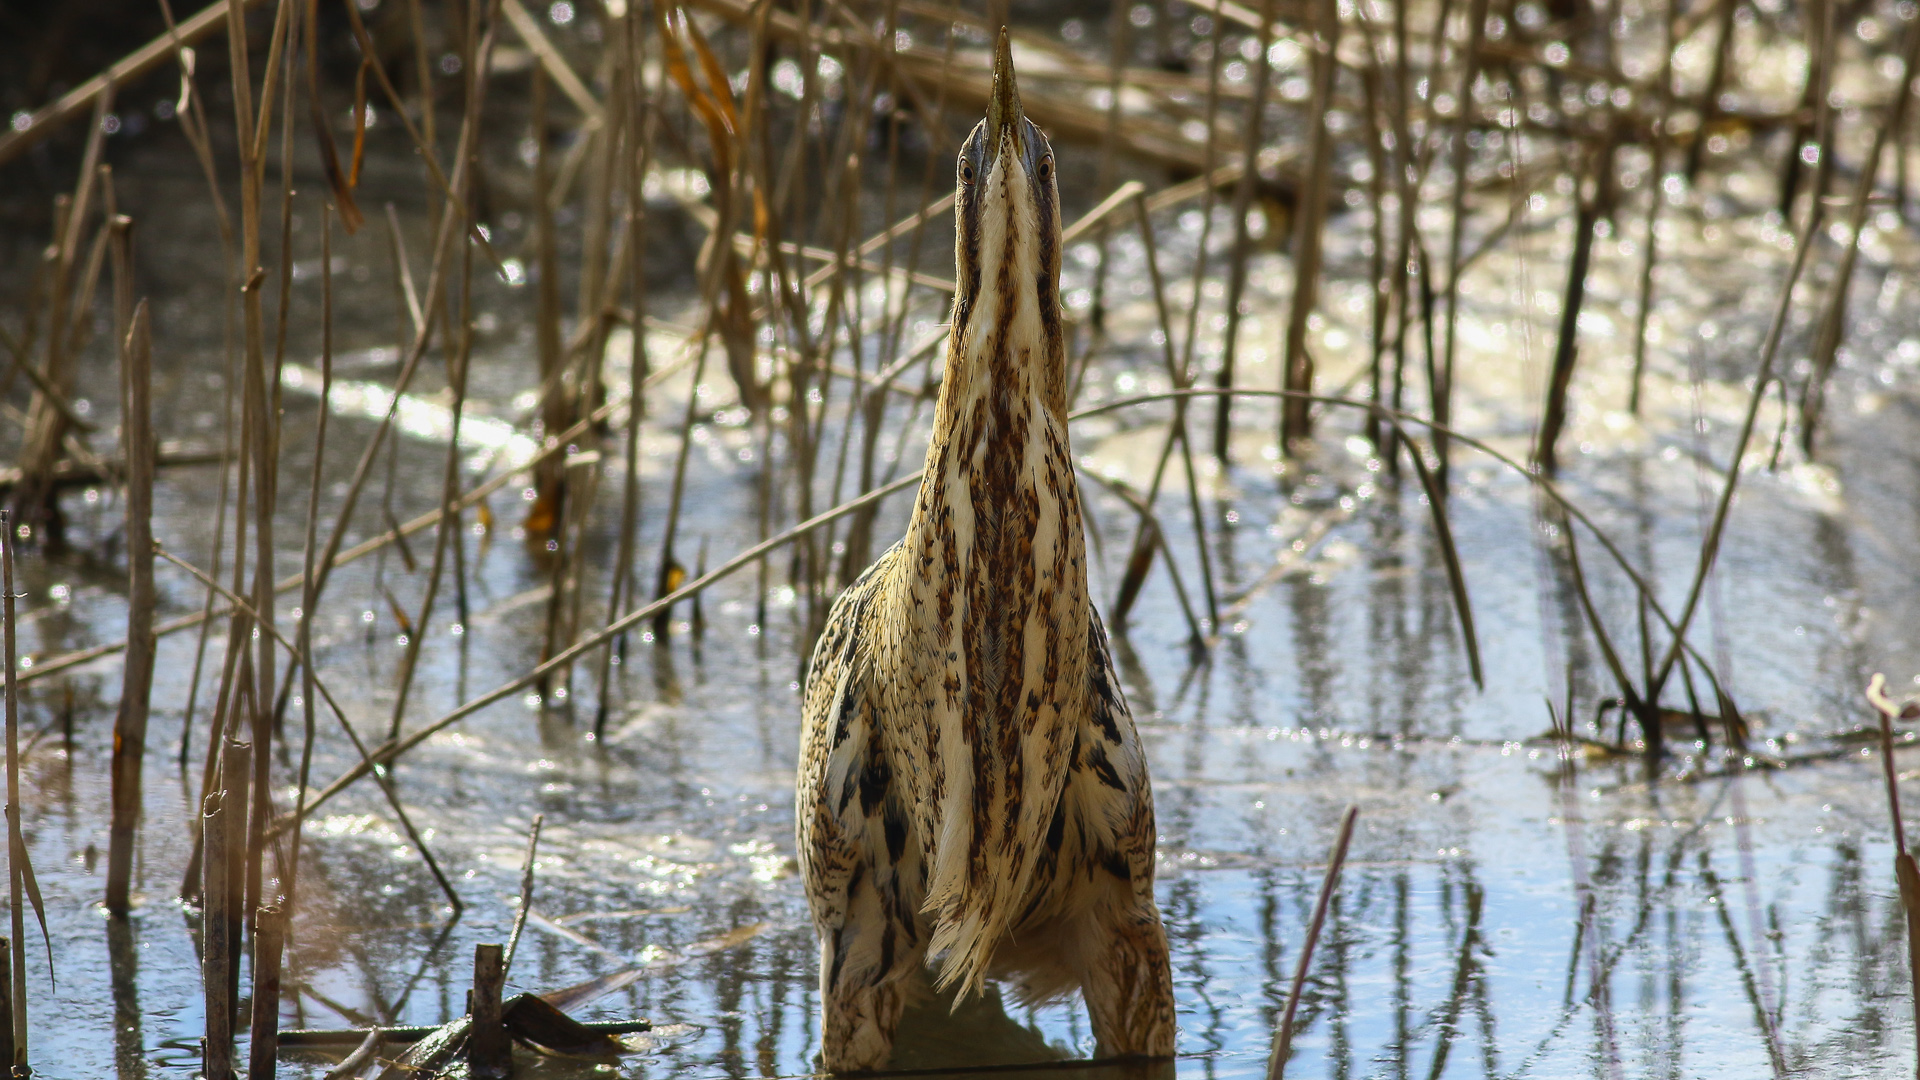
971 785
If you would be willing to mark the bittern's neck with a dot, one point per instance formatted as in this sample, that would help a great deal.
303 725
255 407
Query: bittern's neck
1007 344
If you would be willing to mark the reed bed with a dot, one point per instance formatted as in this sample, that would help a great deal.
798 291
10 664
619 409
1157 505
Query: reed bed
805 148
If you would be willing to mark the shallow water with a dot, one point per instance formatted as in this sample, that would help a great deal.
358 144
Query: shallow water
1506 910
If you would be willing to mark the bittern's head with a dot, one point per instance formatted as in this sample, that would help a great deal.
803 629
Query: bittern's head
1006 307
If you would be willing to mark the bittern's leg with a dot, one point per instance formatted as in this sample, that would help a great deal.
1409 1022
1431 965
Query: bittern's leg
1129 987
865 976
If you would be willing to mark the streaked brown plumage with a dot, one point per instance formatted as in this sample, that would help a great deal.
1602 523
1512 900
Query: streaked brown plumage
971 786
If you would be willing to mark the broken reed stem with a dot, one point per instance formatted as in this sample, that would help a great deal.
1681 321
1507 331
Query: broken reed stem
216 960
526 893
130 727
489 1049
7 1031
16 843
269 934
1283 1037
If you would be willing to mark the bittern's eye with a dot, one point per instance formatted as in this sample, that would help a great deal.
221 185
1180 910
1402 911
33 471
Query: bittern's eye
1046 168
966 172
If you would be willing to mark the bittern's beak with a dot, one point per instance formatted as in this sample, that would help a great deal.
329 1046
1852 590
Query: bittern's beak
1004 115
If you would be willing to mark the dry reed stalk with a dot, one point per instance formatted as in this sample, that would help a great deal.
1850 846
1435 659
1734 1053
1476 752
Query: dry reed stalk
1645 713
641 119
1594 203
449 225
308 599
1379 295
1440 377
1242 241
238 757
1336 858
1656 195
489 1049
1905 870
1149 541
1296 364
130 727
544 516
263 1047
216 958
1120 47
16 843
7 1029
1406 164
526 893
193 123
1210 161
670 573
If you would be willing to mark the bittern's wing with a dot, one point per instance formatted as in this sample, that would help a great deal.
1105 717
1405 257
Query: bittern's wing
861 872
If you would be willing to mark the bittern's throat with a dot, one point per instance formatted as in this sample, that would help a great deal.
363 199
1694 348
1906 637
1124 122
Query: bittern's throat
1006 309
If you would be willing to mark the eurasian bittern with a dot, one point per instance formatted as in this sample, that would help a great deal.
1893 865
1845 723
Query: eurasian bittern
971 785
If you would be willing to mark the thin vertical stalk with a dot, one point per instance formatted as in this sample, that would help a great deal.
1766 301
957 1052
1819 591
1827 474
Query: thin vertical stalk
1566 347
1207 198
1283 1038
641 118
1182 379
1242 242
130 728
1296 366
309 597
16 843
1440 388
1656 195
